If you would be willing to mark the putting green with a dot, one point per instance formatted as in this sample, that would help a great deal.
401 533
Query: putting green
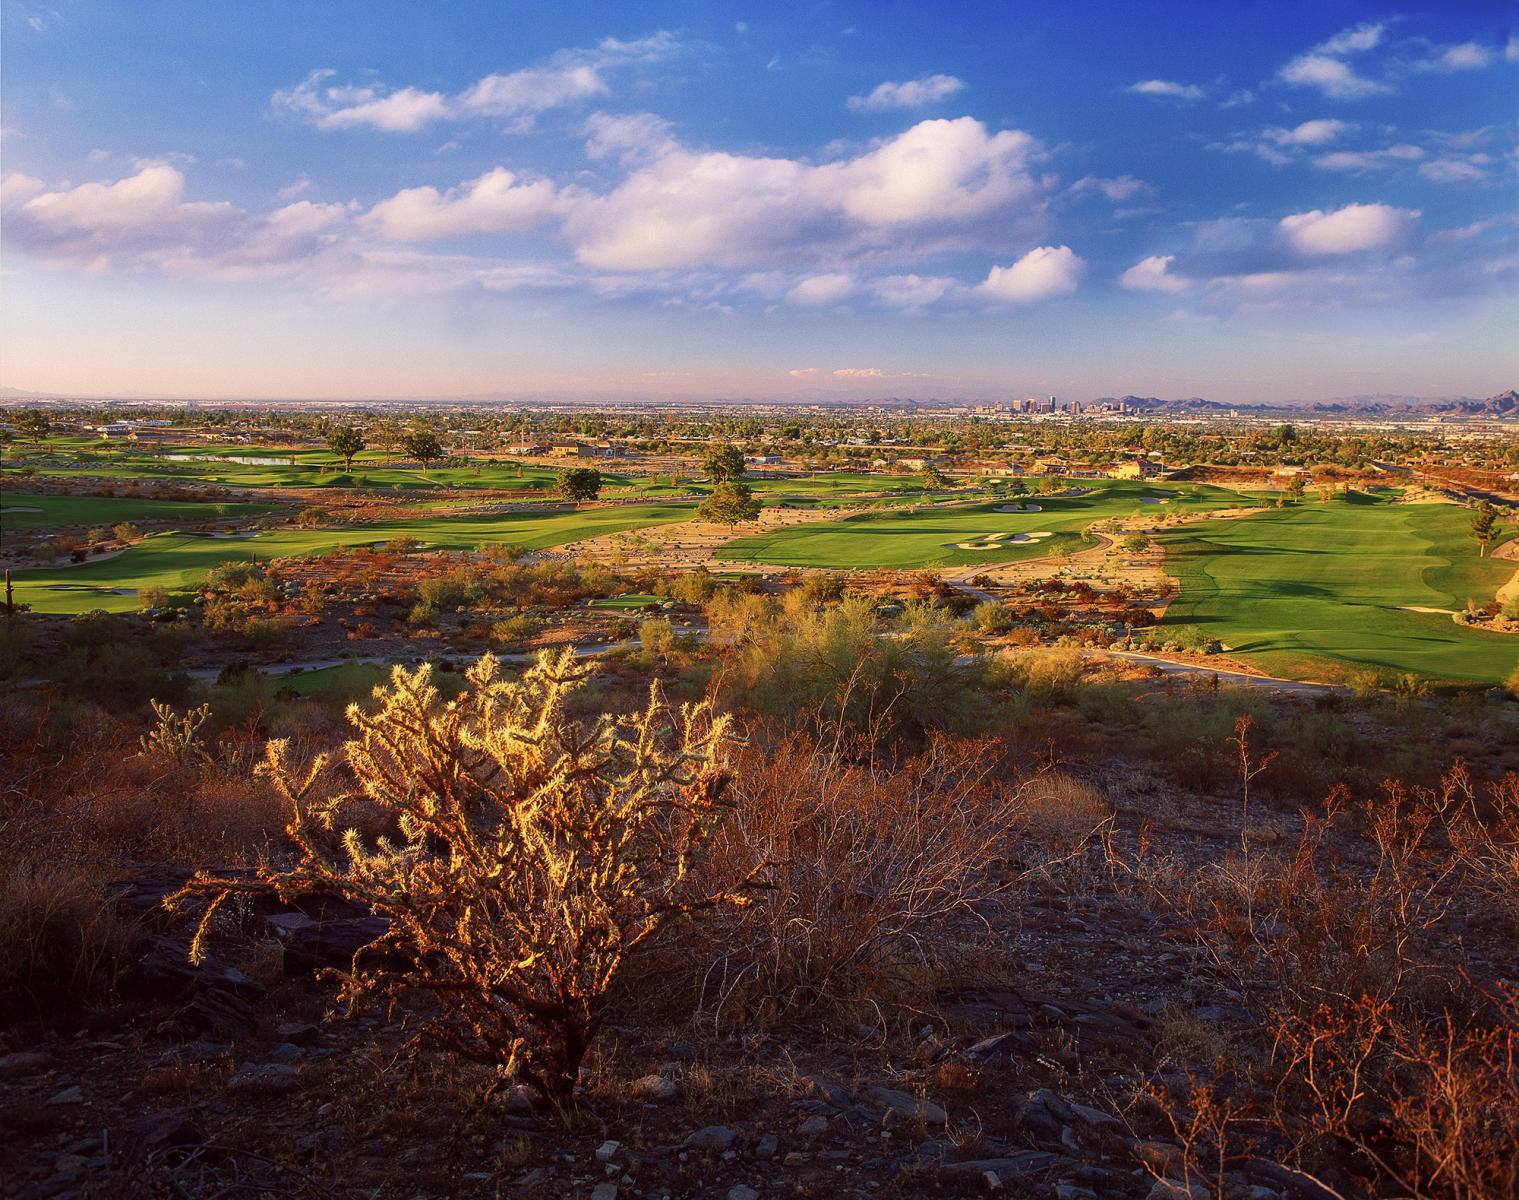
176 562
21 511
1316 590
934 536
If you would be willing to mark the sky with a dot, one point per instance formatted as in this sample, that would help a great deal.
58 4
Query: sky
1262 202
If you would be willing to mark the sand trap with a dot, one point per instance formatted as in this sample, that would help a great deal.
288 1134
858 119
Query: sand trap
19 508
1447 612
1153 499
995 541
1025 508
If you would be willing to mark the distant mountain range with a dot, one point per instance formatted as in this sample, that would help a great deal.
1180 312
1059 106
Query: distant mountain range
1504 406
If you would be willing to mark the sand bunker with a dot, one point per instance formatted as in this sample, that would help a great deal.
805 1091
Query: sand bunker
19 508
1024 508
1153 499
995 541
1448 612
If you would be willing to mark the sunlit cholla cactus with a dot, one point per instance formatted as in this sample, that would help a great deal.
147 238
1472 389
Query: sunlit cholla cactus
176 737
536 852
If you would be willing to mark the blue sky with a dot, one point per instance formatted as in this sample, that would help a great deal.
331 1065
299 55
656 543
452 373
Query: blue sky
1262 201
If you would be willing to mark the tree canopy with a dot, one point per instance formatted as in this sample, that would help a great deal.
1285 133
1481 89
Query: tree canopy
729 504
578 484
723 461
422 445
345 441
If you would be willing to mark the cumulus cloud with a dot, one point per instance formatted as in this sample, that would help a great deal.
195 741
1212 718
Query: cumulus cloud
860 373
1153 274
1309 133
494 203
913 291
937 185
567 77
1358 38
1455 170
822 290
1039 275
1333 77
1165 89
1369 160
1468 56
1346 230
1125 187
627 137
915 93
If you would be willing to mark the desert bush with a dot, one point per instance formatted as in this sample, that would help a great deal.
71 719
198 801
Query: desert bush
514 630
62 943
865 860
534 855
991 617
126 532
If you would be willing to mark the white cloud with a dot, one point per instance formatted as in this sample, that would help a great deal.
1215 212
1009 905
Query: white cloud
1468 56
1511 50
821 290
913 291
1309 133
566 77
494 203
627 137
860 373
1349 229
1165 89
1454 170
940 184
1039 275
1369 160
1332 77
1125 187
915 93
1361 37
1153 274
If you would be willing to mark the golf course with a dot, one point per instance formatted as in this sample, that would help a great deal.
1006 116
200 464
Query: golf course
1316 589
178 561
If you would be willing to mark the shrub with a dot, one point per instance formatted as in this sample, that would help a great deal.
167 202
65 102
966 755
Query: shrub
126 532
535 854
152 596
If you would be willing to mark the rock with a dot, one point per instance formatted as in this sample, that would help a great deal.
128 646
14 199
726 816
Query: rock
160 1131
71 1095
266 1079
911 1107
1027 1162
765 1148
654 1087
813 1127
1161 1157
713 1137
604 1191
25 1062
332 942
216 1011
1095 1116
286 1052
827 1090
192 1054
1070 1191
1170 1189
607 1151
741 1191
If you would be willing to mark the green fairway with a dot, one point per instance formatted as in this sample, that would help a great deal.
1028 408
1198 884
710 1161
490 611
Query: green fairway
1316 590
21 511
933 536
630 602
177 562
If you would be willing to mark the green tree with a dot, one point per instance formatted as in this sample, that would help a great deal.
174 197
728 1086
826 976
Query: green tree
345 441
33 425
422 445
387 435
933 478
729 504
723 462
578 484
1484 525
1295 487
1136 543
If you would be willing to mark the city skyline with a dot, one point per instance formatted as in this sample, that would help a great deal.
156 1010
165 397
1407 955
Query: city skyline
1278 203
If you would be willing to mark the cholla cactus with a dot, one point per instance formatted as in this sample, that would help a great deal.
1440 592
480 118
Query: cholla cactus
177 735
536 854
